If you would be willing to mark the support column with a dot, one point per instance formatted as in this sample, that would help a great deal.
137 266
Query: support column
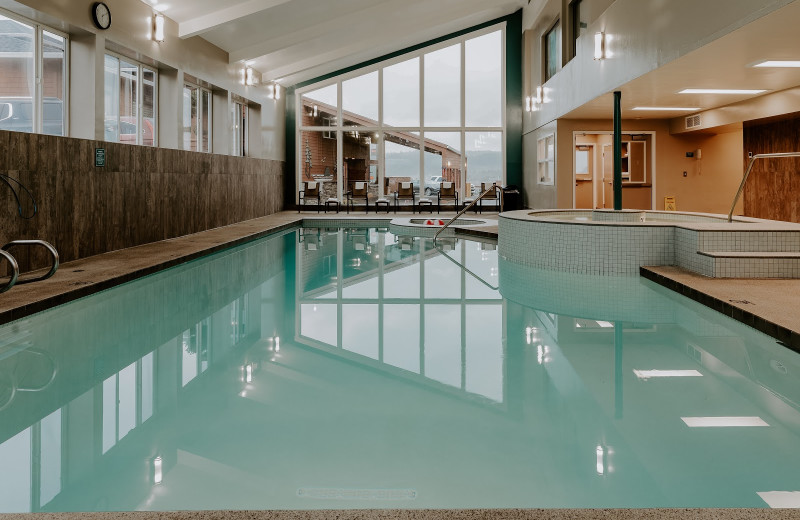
617 151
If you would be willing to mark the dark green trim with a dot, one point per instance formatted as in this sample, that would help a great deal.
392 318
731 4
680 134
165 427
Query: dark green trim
513 98
617 151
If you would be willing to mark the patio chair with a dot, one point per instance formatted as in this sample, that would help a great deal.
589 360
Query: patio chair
310 191
405 191
469 198
491 196
447 190
359 190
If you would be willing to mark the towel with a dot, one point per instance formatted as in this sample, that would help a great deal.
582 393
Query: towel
360 185
311 185
405 185
447 185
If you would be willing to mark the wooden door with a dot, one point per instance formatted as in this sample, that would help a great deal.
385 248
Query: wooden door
608 177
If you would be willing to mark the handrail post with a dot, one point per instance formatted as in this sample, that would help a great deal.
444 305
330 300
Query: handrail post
747 174
494 187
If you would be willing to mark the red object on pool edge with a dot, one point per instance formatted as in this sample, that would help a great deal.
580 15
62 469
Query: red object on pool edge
434 223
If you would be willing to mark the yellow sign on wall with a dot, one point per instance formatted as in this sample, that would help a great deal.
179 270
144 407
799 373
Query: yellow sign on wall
669 204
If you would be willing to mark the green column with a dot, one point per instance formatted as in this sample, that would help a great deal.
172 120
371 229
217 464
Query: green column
617 151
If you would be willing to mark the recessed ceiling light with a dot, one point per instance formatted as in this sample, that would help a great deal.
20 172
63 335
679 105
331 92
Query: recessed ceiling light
720 91
722 422
668 109
778 63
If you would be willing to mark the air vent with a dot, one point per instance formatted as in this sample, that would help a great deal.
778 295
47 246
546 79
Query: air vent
693 122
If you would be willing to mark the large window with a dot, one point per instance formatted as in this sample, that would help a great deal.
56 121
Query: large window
239 118
552 51
196 118
426 117
33 68
130 102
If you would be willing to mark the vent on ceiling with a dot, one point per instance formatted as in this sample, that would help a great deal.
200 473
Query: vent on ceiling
693 122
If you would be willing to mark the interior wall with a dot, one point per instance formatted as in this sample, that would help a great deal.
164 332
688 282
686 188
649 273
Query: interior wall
772 188
708 186
142 195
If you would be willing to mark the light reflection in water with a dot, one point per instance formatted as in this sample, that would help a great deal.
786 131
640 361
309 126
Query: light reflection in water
246 379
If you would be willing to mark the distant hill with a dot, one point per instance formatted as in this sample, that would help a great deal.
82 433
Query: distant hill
481 167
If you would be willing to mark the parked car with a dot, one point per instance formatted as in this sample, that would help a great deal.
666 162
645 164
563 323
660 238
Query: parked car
16 115
433 184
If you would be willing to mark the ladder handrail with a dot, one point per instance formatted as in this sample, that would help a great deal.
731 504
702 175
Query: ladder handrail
14 268
465 268
493 188
46 245
750 167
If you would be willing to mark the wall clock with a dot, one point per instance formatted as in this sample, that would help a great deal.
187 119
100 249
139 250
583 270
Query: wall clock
101 15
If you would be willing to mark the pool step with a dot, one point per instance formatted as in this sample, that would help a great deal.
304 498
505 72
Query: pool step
753 264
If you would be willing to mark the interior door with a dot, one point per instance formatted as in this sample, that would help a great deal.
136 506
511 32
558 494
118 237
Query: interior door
608 177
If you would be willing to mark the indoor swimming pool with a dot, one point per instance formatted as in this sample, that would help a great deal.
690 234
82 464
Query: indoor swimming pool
333 368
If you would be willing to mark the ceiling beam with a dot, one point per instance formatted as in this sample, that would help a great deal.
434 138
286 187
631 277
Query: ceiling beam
207 22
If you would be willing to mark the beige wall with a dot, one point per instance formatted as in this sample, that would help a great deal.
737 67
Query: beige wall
709 186
129 35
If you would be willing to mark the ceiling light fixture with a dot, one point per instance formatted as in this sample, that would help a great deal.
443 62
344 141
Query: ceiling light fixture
667 109
158 27
723 422
720 91
785 64
249 76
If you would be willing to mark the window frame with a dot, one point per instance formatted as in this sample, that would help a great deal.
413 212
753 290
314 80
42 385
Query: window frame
380 129
548 162
556 25
37 96
239 136
575 26
200 112
140 67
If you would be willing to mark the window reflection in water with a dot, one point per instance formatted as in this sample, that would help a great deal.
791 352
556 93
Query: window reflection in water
398 300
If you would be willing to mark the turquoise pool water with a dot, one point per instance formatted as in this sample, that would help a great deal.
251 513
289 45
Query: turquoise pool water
350 368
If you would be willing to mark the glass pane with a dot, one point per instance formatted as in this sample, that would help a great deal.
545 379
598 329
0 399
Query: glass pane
401 152
483 75
324 96
50 459
319 322
109 413
111 98
442 159
54 84
128 102
443 343
481 259
148 107
441 280
318 160
484 158
360 100
15 479
16 87
401 336
360 329
443 87
401 94
147 386
239 130
359 149
402 281
190 117
127 400
484 356
206 121
552 42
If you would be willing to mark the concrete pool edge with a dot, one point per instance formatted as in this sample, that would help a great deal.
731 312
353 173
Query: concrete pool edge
91 275
739 299
428 514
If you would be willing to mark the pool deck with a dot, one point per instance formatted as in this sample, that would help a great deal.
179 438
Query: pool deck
91 275
771 306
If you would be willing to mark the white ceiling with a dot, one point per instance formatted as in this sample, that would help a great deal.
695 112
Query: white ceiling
295 40
723 63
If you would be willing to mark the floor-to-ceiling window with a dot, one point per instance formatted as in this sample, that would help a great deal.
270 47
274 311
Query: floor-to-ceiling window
434 115
33 68
130 101
196 118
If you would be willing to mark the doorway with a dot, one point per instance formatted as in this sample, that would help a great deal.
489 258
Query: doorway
593 170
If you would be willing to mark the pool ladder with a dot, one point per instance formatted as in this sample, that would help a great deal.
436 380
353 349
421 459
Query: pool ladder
15 266
466 208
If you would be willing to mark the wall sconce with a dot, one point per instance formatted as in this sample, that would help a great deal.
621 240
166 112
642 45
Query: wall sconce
316 111
249 76
158 27
539 98
527 103
600 46
274 91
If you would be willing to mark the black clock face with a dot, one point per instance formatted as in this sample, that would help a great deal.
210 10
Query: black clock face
101 15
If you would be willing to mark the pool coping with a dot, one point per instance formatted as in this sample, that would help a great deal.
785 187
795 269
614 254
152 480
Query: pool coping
87 276
427 514
751 301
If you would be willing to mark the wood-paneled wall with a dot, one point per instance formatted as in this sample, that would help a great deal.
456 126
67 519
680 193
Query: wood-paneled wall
142 195
773 188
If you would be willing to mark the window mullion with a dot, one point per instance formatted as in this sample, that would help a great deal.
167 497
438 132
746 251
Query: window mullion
38 98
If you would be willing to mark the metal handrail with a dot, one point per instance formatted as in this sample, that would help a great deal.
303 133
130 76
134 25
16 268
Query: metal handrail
493 188
14 268
46 245
750 167
465 268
